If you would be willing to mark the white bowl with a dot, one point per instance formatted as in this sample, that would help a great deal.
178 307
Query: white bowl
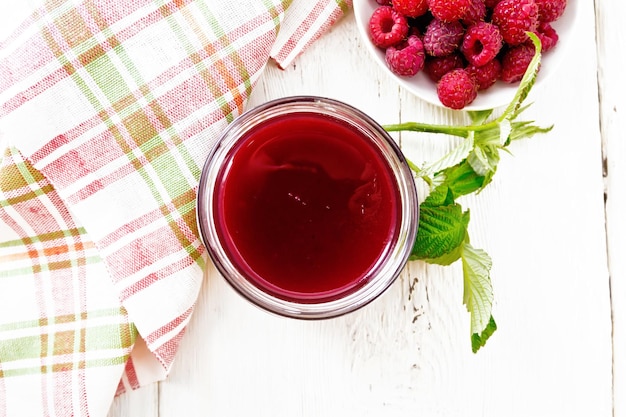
496 96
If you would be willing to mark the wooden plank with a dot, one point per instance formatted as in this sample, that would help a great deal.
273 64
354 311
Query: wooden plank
143 402
408 353
611 38
542 221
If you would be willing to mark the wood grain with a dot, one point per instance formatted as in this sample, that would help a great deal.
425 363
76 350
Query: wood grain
408 353
612 85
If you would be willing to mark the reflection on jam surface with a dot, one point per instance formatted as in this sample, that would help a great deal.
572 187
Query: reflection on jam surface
307 205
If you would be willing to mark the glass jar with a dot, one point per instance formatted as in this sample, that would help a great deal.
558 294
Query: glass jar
307 207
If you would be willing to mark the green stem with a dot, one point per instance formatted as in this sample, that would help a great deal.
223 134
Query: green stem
419 172
414 167
461 131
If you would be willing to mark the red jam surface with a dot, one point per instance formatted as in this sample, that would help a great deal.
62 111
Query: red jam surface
305 206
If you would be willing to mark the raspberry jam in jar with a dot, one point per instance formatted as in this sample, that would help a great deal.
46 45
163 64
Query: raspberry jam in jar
307 207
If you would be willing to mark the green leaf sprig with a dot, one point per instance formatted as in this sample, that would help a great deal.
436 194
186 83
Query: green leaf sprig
442 237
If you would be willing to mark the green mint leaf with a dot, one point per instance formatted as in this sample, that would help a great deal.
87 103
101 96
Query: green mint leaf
505 132
479 340
494 135
477 289
525 130
448 258
484 160
455 156
441 196
461 179
442 229
479 117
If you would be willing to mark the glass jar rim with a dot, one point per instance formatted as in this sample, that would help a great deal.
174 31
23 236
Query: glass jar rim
387 269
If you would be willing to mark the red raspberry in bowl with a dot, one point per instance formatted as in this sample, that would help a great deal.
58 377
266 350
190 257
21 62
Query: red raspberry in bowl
550 10
456 89
387 27
481 43
476 13
486 75
406 59
547 35
515 18
449 10
410 8
515 61
437 67
442 38
486 38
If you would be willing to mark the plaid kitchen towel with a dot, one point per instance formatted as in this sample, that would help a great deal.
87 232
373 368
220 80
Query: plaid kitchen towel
108 109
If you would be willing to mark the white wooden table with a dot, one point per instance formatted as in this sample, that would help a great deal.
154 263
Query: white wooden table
554 222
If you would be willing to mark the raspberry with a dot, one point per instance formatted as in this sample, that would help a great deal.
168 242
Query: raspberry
387 27
515 62
456 89
486 75
514 18
442 38
547 35
410 8
449 10
476 13
407 58
481 43
491 3
550 10
436 67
